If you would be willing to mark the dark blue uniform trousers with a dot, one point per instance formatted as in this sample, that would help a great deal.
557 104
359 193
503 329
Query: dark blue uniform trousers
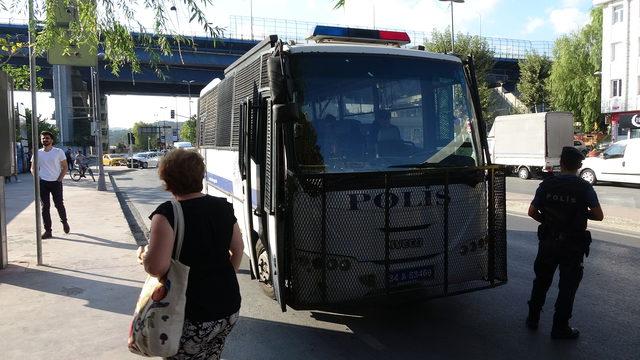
551 256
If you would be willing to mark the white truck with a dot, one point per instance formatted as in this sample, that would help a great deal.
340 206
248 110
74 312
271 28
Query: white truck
530 143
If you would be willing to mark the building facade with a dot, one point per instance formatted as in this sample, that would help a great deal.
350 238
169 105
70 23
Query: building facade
621 65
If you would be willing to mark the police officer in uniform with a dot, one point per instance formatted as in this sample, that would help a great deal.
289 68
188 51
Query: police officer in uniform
562 205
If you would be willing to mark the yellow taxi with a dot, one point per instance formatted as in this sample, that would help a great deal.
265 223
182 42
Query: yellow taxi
113 160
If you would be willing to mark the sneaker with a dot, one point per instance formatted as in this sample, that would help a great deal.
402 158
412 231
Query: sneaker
65 226
46 235
565 333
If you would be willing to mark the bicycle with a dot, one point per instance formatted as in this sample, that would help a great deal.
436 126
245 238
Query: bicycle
76 174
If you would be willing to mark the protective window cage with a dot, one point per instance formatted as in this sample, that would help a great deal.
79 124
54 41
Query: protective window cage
420 234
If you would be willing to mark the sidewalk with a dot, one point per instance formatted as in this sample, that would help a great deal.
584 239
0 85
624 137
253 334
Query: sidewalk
79 304
616 218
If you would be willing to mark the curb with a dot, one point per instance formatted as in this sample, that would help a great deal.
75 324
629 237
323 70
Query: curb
136 224
611 228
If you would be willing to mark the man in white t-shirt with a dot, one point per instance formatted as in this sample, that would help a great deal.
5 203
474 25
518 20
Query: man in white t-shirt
52 166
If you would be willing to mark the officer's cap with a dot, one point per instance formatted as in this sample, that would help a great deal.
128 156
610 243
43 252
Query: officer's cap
569 153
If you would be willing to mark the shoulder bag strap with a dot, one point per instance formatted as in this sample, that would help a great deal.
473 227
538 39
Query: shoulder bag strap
178 227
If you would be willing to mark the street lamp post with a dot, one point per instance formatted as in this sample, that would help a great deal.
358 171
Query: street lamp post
452 32
34 129
189 82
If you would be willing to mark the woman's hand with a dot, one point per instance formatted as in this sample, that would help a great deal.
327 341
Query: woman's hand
236 247
140 253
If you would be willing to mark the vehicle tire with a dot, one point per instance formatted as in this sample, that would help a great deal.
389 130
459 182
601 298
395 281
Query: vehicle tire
75 175
144 165
589 176
264 270
524 173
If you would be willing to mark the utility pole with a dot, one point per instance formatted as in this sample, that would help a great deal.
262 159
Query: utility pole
97 118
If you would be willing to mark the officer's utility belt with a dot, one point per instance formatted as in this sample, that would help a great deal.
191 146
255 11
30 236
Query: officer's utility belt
578 240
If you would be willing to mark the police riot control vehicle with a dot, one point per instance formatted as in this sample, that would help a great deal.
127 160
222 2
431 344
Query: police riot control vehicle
358 169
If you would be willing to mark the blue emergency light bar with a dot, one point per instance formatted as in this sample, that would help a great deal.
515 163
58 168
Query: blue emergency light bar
322 32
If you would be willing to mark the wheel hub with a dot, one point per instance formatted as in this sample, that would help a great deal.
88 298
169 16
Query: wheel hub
264 271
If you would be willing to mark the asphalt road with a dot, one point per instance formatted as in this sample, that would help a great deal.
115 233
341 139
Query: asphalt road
481 325
626 195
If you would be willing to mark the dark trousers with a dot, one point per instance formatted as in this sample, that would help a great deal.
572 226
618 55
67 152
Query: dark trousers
55 189
550 257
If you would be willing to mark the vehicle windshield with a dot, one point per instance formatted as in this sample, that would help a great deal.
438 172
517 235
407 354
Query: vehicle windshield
378 113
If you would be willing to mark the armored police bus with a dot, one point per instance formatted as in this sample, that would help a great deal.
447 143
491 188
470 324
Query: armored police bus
358 169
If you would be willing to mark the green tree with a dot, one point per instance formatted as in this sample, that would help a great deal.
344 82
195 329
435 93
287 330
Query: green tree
20 76
43 125
107 24
573 84
144 140
465 45
188 130
534 71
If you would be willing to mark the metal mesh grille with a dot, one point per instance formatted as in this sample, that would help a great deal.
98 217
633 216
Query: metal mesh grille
266 109
245 80
209 116
499 222
382 234
223 129
264 75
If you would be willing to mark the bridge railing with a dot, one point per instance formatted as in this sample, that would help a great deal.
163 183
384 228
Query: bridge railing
245 27
257 28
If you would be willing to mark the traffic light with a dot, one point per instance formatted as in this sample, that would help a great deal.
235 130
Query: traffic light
173 114
131 138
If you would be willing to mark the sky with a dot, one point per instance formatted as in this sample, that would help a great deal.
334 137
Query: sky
535 20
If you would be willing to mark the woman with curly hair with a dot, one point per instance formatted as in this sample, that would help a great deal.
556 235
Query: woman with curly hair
212 248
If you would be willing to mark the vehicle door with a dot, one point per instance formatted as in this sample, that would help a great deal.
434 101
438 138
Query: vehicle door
250 157
611 166
631 163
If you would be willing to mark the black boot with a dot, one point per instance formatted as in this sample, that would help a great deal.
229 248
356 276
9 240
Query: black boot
564 332
533 318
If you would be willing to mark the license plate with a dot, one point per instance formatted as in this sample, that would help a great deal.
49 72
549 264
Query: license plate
411 275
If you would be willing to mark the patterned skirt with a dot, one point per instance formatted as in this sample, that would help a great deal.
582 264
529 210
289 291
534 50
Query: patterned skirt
204 340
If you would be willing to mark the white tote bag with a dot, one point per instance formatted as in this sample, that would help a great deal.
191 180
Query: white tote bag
159 316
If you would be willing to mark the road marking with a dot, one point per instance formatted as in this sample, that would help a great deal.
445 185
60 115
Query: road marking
593 227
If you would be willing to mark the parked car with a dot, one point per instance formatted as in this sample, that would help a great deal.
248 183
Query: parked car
143 160
113 160
581 146
620 162
183 145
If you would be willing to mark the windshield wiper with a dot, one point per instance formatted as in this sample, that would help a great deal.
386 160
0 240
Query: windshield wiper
416 165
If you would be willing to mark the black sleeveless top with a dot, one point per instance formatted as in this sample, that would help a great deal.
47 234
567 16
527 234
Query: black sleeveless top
212 291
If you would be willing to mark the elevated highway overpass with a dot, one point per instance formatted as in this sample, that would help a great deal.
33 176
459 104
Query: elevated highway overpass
208 59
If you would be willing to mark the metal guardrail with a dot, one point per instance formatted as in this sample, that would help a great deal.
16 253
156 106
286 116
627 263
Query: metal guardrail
245 27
